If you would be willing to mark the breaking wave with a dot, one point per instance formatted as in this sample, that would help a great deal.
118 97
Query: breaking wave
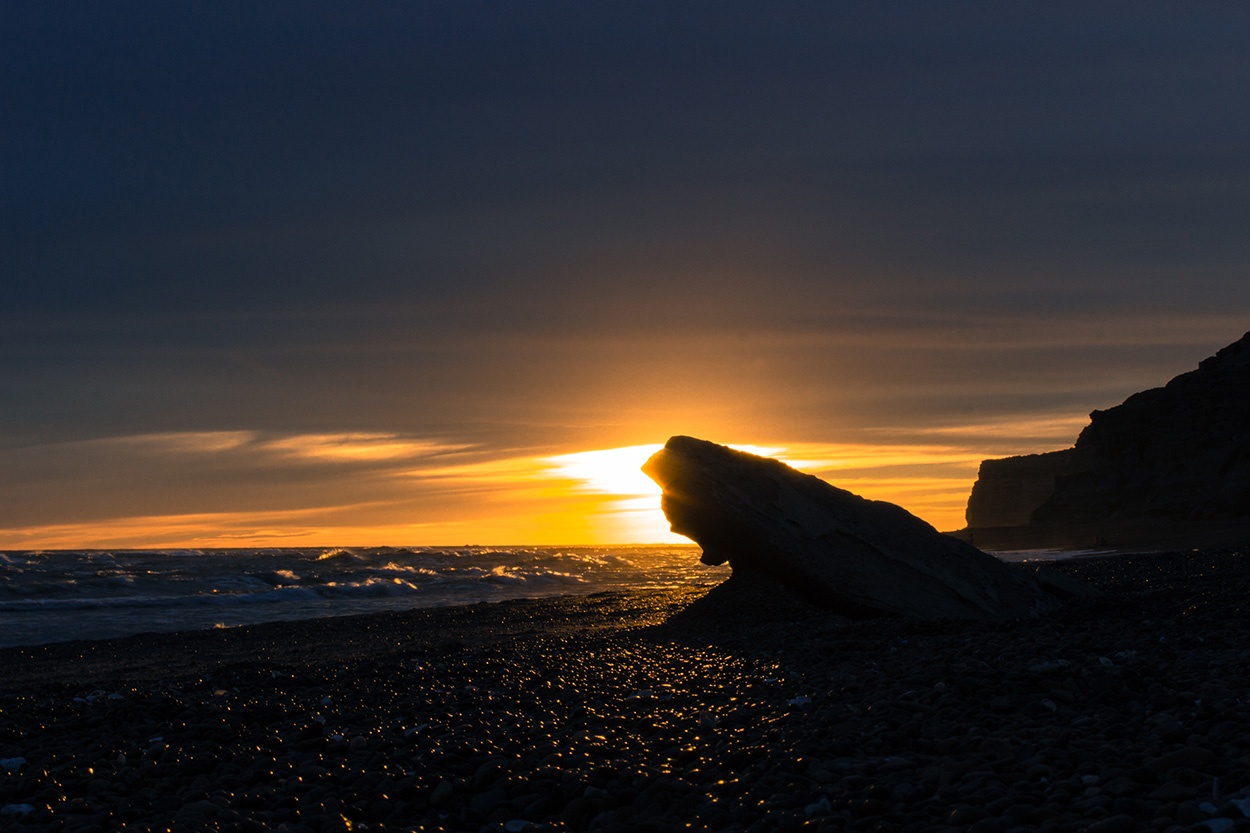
54 596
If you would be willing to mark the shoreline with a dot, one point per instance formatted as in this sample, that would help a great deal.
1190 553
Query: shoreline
606 712
1126 536
64 596
89 619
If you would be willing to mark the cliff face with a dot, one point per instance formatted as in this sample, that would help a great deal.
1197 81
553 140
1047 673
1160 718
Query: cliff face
1008 491
1176 453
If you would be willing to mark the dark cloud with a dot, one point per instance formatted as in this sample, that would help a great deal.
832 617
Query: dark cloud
232 155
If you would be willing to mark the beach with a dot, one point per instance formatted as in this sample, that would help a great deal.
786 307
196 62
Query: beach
633 710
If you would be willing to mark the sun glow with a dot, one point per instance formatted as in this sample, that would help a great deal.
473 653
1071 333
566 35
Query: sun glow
630 500
931 481
613 471
363 488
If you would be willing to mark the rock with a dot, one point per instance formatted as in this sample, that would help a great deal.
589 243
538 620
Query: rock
1120 823
818 808
1189 757
1008 490
964 815
1174 791
484 803
1177 451
827 546
1178 455
1217 825
17 810
1188 813
441 793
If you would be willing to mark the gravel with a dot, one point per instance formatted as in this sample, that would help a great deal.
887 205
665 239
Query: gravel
645 712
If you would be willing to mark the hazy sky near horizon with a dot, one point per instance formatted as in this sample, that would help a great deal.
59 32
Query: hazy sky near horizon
298 271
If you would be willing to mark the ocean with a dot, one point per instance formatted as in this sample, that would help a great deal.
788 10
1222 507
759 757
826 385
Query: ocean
61 595
55 596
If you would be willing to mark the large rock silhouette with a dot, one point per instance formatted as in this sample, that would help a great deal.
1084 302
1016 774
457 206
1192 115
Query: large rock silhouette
828 546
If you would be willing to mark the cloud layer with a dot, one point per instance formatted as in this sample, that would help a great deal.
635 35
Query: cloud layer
359 239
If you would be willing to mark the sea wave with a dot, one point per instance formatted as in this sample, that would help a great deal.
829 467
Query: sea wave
57 595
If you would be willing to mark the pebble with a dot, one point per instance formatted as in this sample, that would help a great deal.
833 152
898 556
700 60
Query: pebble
1173 791
1188 813
1191 757
1216 825
17 809
1122 823
441 793
818 808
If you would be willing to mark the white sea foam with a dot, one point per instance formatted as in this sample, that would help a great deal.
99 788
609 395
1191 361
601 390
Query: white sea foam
54 596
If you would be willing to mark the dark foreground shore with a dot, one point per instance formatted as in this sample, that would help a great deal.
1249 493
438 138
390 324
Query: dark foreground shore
1127 713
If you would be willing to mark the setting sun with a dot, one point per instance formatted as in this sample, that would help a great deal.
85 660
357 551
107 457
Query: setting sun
630 500
614 471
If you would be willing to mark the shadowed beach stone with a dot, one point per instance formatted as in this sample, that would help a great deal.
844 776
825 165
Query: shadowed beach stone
1190 757
441 793
1121 823
827 546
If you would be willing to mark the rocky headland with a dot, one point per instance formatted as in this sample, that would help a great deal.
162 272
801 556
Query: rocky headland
1167 467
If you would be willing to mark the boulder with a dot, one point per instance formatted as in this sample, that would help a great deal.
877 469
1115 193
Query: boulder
830 547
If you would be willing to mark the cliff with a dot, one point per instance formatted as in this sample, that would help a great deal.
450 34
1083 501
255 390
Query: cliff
1008 491
1175 454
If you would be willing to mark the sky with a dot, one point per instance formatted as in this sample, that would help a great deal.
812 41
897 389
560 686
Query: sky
434 273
